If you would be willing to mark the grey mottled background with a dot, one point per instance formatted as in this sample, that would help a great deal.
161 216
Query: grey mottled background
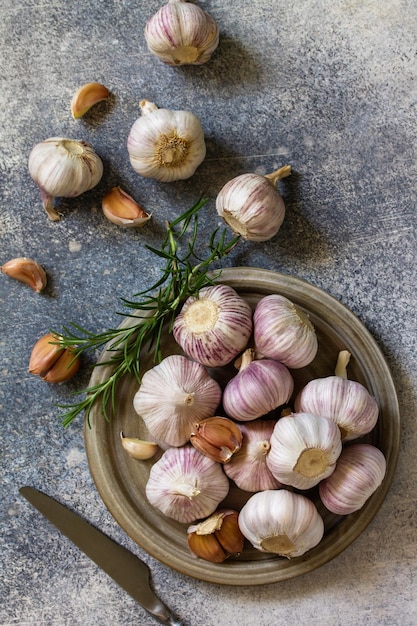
329 87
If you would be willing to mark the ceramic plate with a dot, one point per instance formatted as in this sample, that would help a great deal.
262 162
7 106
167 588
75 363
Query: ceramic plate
121 480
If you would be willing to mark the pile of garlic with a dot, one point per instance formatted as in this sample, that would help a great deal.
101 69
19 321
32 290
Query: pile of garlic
245 432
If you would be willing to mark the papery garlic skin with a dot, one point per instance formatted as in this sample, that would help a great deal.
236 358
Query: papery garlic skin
86 97
281 522
248 467
304 450
344 401
186 485
26 271
251 205
213 327
173 395
63 168
284 332
166 145
217 537
259 387
181 33
359 472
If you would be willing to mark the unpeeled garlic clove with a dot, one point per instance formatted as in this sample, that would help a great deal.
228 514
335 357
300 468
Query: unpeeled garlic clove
86 97
217 537
138 448
51 361
121 209
26 271
216 437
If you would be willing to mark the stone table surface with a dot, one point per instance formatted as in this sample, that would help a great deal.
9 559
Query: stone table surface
328 87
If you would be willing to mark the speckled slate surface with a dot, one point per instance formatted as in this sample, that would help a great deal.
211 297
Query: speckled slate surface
329 88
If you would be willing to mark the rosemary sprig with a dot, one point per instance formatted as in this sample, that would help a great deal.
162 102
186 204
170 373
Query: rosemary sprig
184 274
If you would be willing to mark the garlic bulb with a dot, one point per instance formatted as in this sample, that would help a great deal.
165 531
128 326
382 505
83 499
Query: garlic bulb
181 33
166 145
216 437
186 485
258 388
344 401
174 395
251 205
247 467
213 327
52 362
304 450
63 168
281 522
359 472
283 332
121 209
217 537
26 271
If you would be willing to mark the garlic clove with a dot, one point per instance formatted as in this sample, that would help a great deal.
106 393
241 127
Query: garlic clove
281 522
26 271
52 362
216 437
217 537
121 209
86 97
359 472
138 448
181 33
251 205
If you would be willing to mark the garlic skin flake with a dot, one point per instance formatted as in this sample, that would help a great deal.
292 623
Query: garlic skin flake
166 145
359 472
181 33
281 522
283 331
259 387
174 395
248 467
86 97
213 327
122 210
186 485
63 168
344 401
304 450
251 205
26 271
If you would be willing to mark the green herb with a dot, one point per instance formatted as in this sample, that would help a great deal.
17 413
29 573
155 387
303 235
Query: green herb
184 274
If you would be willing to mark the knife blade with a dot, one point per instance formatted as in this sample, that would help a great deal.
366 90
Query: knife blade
126 569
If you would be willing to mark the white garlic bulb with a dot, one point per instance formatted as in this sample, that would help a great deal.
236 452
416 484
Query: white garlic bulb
247 467
186 485
213 327
173 395
181 33
304 450
346 402
166 145
284 332
281 522
259 387
63 168
251 205
359 472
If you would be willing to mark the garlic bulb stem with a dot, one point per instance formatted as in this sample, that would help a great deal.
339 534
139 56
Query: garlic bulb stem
343 359
280 173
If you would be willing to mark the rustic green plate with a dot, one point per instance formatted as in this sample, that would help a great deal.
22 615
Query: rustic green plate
121 480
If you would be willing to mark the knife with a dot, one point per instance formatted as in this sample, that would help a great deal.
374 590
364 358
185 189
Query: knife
123 566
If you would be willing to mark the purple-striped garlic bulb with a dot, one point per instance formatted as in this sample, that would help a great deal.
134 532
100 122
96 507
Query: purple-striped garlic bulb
284 332
251 205
247 467
181 33
259 387
359 472
186 485
173 395
213 327
345 402
304 450
281 522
